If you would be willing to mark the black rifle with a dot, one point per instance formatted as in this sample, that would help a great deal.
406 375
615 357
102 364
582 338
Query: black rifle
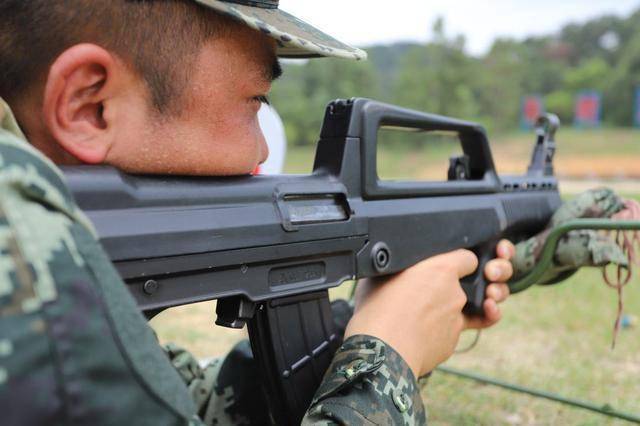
269 247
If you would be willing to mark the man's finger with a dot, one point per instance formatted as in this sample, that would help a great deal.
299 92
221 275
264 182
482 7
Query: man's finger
505 249
462 262
498 270
491 316
498 292
466 262
492 312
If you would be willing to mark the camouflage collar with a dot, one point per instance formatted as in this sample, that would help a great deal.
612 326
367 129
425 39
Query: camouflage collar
8 121
24 167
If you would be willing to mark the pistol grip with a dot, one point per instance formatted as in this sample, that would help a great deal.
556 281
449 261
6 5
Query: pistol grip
475 285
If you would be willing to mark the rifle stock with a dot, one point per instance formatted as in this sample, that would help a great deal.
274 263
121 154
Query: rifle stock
269 247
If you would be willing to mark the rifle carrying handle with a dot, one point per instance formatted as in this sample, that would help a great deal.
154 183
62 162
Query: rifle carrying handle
358 120
482 176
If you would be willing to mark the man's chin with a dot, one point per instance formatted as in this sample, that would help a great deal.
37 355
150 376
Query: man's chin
247 170
190 170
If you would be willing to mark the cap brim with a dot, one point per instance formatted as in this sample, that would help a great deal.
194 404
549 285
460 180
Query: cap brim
295 38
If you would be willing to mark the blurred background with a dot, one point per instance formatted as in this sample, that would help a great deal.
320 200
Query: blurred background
499 63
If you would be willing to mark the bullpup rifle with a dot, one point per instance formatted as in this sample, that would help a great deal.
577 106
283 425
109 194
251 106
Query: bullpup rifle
268 248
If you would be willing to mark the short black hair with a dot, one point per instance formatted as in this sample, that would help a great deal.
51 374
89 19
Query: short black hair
157 38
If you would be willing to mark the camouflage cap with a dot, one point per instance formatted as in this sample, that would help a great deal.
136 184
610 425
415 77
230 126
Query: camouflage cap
295 38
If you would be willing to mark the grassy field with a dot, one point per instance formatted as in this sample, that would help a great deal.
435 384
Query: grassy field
557 339
552 338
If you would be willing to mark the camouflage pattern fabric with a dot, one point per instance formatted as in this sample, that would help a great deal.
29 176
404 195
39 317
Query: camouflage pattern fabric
74 349
226 391
295 38
367 383
7 121
368 379
577 248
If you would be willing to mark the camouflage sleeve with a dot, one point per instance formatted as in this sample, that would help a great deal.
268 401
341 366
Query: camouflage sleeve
367 383
223 389
577 248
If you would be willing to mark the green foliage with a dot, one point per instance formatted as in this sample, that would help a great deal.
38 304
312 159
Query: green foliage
622 83
441 77
438 78
591 74
561 102
302 95
499 84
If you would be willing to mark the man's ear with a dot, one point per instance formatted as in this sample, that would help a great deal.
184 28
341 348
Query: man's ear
76 98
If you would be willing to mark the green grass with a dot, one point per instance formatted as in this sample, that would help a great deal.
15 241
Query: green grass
551 338
632 196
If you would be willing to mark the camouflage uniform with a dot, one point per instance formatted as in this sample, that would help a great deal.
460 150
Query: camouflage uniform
364 370
367 383
74 349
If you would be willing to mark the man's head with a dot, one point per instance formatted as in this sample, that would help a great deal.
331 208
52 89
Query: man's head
155 86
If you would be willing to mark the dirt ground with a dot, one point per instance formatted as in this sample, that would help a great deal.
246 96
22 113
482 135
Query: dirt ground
601 167
604 167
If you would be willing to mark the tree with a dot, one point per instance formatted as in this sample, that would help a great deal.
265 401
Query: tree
302 95
622 82
438 77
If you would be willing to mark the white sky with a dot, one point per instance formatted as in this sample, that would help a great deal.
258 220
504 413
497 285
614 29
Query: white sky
366 22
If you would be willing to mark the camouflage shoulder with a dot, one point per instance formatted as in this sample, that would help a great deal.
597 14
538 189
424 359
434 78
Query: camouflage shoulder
368 382
36 216
32 239
25 169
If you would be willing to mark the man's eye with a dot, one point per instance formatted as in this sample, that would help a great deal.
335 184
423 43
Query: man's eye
262 99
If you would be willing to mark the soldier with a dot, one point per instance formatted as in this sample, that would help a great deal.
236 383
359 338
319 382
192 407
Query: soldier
171 87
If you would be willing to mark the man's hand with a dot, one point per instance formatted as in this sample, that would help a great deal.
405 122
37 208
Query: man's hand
497 271
419 311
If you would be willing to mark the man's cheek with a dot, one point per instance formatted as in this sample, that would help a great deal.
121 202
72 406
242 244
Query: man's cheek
265 150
